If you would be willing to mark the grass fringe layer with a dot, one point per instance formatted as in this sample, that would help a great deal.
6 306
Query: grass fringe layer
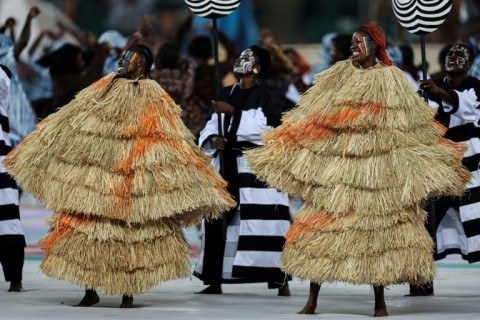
114 282
338 244
91 254
314 219
424 165
349 143
139 209
409 266
102 229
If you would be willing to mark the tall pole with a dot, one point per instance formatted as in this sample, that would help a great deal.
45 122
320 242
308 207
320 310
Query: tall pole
215 9
217 89
424 63
431 203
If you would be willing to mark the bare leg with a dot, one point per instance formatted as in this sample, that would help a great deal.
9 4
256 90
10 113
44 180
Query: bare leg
16 286
311 304
284 291
380 306
127 301
89 299
214 288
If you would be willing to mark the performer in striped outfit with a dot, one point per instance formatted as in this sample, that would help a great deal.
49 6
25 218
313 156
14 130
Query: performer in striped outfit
457 99
254 230
12 240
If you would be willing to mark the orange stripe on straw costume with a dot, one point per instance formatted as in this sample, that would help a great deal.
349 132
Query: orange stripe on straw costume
323 126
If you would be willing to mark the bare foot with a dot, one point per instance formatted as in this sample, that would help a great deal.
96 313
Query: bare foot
284 291
382 312
212 289
90 298
311 304
308 309
127 301
16 286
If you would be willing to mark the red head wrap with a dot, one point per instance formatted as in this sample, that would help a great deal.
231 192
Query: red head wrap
376 34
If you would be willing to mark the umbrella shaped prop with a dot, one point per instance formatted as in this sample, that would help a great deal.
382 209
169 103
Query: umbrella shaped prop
421 17
214 9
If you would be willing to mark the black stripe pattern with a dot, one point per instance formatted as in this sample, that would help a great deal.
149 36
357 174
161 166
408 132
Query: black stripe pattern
421 16
12 240
11 234
9 212
4 123
212 9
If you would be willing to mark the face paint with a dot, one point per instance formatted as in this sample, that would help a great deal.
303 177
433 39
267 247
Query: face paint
457 59
360 46
129 63
364 46
244 64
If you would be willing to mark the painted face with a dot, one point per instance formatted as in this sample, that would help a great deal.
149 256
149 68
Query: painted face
360 46
245 62
458 59
128 62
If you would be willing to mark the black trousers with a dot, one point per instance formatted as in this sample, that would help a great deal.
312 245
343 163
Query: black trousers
12 259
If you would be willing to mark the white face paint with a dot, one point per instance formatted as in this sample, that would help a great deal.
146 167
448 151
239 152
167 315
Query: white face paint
457 59
245 62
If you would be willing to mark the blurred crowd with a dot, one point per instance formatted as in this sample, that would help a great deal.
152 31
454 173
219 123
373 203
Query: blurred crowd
50 69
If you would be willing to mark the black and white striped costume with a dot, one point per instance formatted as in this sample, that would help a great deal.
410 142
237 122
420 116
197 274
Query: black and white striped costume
458 219
255 229
12 240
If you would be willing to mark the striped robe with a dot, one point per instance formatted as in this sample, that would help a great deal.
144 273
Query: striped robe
458 219
11 233
246 245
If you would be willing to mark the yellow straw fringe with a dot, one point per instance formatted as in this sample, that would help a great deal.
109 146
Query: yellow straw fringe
345 143
101 229
362 221
387 170
91 254
135 209
392 267
114 282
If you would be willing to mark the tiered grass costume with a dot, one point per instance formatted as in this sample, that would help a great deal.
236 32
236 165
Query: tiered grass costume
119 169
363 151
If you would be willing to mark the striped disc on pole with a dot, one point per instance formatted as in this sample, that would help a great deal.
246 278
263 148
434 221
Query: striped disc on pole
421 16
212 9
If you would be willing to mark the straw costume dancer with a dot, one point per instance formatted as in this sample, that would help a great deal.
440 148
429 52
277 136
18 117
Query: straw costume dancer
364 151
122 174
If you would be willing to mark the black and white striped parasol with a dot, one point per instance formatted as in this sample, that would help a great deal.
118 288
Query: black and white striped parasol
421 16
212 8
